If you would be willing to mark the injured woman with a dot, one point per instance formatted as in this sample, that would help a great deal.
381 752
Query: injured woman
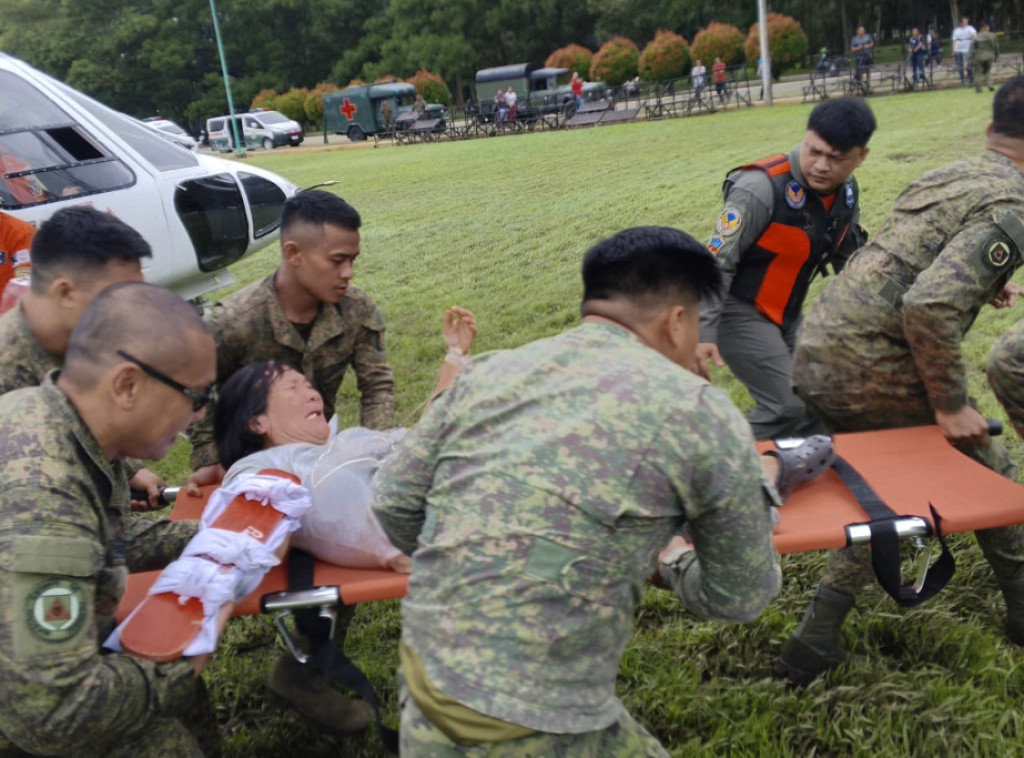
269 417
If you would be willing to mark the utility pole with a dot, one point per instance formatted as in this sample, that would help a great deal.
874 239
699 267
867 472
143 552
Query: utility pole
766 57
239 150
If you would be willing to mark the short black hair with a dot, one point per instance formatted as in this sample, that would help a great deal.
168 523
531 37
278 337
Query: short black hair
844 123
242 398
149 322
1008 109
319 208
649 262
80 241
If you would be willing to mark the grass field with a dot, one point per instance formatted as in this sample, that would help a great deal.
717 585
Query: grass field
499 226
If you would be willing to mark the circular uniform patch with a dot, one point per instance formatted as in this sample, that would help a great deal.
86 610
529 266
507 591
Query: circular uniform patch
796 195
997 254
729 222
55 610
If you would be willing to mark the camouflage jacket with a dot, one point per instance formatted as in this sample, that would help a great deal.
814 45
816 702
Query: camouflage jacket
900 309
250 326
25 362
66 545
534 497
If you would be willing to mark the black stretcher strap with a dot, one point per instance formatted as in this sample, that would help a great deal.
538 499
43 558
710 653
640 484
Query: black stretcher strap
325 656
885 543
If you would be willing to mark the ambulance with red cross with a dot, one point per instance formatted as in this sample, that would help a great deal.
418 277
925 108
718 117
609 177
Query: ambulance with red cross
366 109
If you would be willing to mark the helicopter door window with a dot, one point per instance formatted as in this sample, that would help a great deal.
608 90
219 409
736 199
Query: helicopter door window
213 213
266 200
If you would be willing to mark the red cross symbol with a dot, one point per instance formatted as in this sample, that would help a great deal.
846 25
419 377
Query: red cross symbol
348 109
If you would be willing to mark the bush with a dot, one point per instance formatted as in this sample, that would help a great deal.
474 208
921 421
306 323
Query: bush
357 82
265 98
574 57
386 79
616 61
786 40
314 105
293 104
722 40
667 56
431 86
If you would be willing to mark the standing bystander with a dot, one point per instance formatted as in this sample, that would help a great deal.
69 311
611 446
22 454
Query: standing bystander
962 37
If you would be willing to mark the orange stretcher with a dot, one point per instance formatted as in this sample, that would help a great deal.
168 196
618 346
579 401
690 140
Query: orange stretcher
913 470
354 585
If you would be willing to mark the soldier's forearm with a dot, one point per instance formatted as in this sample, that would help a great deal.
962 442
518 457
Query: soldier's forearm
154 543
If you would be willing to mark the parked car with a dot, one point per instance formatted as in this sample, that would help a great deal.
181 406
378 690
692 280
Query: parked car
171 131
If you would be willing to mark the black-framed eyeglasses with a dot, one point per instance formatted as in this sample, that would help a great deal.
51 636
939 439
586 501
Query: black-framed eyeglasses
200 399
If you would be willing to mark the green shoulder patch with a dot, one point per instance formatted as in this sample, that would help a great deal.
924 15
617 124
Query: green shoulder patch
998 253
55 609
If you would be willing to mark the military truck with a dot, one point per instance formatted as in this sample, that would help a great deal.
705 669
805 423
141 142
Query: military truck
359 110
537 87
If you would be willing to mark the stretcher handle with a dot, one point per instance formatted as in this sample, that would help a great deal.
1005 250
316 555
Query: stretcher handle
167 495
292 600
906 527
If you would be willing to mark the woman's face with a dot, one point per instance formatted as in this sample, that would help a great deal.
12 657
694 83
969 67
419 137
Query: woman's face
295 413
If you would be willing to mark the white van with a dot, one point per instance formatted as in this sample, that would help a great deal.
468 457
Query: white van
200 213
258 128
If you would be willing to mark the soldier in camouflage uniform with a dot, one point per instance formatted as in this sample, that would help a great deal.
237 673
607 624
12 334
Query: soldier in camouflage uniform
67 541
78 252
1006 374
309 316
534 497
880 348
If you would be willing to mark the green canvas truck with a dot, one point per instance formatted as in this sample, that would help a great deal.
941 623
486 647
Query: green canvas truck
537 87
362 110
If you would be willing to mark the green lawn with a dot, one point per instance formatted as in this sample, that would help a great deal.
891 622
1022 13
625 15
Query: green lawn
500 226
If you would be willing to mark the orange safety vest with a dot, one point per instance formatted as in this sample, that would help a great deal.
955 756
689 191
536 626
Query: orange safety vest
776 271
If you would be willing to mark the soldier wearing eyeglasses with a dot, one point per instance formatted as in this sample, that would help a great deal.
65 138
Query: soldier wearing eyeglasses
137 370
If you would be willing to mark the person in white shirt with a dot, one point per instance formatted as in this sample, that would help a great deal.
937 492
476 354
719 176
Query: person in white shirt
697 74
512 100
962 37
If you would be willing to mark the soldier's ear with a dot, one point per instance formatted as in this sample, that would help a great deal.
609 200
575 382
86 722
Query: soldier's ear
125 385
62 292
990 129
291 252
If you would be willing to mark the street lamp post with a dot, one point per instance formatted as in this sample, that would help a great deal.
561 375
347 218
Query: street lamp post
766 56
239 151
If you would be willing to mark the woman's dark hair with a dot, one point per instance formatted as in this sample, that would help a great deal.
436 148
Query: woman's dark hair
242 398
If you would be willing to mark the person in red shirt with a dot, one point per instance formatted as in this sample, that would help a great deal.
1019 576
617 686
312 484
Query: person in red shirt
718 73
15 239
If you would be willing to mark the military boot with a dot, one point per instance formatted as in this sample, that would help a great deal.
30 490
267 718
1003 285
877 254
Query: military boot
303 688
1013 594
815 647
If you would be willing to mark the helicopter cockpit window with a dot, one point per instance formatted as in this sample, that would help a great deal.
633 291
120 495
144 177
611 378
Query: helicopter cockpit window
44 155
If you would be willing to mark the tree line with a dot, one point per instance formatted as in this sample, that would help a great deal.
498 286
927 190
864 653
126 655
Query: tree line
149 57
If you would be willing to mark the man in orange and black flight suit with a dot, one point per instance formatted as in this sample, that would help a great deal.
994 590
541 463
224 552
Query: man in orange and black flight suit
785 218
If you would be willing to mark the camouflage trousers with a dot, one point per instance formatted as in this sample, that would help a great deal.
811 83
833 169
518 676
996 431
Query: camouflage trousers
194 734
849 570
623 739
